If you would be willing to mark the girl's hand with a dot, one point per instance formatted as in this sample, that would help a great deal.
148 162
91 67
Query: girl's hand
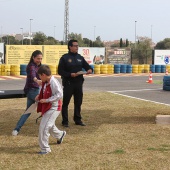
37 98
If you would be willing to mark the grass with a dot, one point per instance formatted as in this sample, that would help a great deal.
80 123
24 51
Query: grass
121 134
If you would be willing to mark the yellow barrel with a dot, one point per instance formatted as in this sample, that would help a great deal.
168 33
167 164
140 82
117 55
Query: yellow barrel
146 68
141 68
104 69
5 69
110 69
168 68
96 69
135 68
15 70
53 69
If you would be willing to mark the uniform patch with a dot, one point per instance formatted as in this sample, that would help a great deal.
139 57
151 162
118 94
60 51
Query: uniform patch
69 60
79 60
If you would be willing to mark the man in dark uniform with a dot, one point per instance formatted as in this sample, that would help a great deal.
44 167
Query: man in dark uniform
69 65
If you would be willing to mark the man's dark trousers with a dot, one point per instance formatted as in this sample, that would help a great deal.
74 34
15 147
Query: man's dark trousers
75 89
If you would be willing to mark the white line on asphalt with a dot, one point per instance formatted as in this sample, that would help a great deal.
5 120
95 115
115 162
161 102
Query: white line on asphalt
139 98
133 90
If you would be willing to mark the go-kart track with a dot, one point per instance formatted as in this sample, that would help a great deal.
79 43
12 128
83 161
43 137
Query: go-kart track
129 85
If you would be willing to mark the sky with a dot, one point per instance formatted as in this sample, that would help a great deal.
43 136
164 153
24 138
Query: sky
109 19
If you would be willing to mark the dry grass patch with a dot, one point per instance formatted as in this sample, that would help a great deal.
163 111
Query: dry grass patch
121 134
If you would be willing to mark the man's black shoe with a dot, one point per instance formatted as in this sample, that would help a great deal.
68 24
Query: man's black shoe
65 125
80 123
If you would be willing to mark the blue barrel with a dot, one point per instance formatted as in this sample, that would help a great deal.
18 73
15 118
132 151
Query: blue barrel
23 69
117 68
123 68
129 69
152 68
166 83
157 68
163 68
92 66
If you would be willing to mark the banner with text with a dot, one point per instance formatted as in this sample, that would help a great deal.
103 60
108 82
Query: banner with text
20 54
118 55
162 57
52 53
93 55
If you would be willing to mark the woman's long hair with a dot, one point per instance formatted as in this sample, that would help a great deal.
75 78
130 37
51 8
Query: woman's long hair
34 54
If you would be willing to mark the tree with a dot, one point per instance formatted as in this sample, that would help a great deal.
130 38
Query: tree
165 44
143 50
39 38
121 43
10 40
127 43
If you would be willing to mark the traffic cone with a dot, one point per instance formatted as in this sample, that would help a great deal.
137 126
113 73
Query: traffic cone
150 78
166 72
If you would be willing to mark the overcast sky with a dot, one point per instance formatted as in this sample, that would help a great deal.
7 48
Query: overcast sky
109 19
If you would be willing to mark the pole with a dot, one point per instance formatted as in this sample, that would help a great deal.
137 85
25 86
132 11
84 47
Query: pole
54 31
151 33
1 33
135 33
94 34
30 30
22 35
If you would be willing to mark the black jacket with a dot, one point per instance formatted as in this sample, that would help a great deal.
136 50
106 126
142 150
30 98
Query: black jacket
72 63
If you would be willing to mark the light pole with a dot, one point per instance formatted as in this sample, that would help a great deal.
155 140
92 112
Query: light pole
94 35
1 33
30 30
22 35
151 33
54 31
135 33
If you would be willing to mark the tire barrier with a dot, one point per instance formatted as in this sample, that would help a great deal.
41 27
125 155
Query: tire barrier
0 69
168 68
104 69
117 68
110 69
123 68
141 68
129 69
92 66
163 68
23 69
96 69
166 83
5 69
157 68
135 68
15 70
152 68
146 68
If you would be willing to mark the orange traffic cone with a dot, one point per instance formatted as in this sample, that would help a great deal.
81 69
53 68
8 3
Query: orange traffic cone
166 72
150 78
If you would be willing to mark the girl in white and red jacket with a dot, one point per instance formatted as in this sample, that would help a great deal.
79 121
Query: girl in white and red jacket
49 104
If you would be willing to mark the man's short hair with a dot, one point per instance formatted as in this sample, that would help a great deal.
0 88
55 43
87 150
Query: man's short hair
70 43
44 69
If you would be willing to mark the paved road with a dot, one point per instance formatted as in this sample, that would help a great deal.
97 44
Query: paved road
134 86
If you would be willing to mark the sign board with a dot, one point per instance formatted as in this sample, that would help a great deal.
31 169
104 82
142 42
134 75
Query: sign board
162 57
93 55
118 55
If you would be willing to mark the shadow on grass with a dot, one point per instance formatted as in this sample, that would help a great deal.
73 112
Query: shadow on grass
92 119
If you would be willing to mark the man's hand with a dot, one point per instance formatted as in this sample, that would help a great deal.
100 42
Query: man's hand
37 98
74 74
89 71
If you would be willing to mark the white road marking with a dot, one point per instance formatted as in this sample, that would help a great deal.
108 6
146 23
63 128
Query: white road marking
118 93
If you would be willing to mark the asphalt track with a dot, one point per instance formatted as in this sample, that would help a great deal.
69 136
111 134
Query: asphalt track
134 86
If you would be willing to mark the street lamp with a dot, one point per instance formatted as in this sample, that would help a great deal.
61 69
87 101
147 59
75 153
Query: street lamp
135 33
30 30
151 33
22 35
1 33
54 31
94 32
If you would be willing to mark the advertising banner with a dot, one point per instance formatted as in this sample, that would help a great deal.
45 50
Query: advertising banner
162 57
20 54
93 55
1 53
52 53
118 55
